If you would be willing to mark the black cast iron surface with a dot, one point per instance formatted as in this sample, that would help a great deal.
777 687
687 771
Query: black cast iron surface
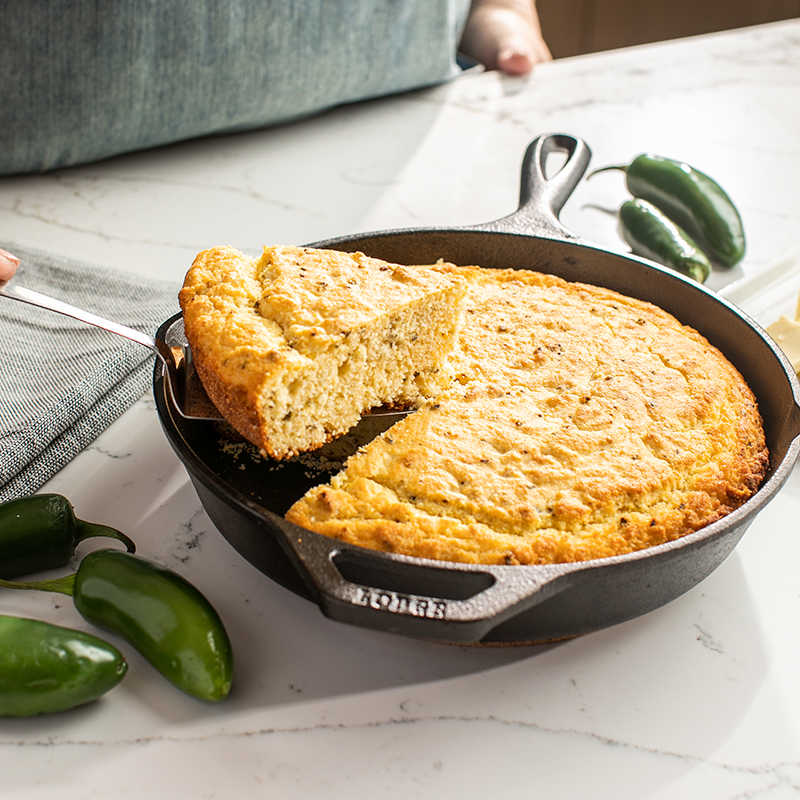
246 496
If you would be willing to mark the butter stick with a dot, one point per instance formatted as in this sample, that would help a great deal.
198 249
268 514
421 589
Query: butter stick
786 332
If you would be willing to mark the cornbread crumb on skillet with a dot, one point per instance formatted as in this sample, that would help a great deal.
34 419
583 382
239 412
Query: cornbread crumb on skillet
293 346
582 424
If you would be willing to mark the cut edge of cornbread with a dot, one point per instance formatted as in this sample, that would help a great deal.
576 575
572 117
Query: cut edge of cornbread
294 346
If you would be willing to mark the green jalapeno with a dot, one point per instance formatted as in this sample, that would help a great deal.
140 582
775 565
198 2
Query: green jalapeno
651 235
41 532
692 200
156 611
45 668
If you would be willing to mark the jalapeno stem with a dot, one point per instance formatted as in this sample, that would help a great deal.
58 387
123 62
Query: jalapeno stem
86 530
62 585
620 167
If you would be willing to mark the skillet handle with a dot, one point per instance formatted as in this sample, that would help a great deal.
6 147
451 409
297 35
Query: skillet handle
457 603
541 198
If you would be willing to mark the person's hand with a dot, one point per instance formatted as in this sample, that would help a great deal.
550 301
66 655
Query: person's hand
8 266
505 35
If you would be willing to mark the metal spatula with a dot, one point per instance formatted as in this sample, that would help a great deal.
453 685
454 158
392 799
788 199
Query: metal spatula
188 394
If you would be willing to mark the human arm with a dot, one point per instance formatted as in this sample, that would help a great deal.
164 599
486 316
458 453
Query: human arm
505 35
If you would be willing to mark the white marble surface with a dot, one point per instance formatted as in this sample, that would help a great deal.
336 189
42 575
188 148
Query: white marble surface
698 699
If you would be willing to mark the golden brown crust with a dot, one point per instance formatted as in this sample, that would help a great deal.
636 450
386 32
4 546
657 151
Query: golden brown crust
583 424
206 314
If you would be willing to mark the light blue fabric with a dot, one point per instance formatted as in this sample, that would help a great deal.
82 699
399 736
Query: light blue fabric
62 382
82 80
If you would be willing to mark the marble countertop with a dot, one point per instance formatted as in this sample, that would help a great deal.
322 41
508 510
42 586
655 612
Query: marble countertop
697 699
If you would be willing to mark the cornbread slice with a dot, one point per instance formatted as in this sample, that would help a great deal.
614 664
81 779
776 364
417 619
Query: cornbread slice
583 424
294 346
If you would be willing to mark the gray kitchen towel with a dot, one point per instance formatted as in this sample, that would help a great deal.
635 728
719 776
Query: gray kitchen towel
62 382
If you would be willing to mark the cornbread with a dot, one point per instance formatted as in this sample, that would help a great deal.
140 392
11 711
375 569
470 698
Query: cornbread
293 346
581 424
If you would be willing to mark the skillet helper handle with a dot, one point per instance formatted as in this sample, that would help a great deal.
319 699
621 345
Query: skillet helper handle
542 197
493 593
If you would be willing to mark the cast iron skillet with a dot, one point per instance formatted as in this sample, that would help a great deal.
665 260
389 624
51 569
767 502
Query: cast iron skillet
452 602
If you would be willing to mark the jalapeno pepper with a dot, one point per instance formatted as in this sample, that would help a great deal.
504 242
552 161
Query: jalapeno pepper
41 532
155 610
692 200
651 235
45 668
